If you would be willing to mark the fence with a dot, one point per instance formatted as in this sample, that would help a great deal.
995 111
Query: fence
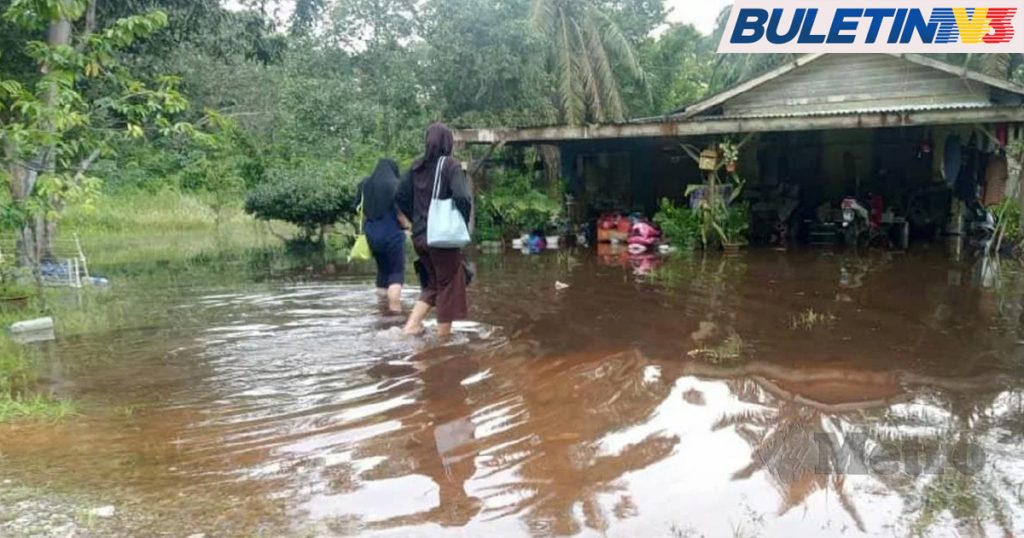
67 267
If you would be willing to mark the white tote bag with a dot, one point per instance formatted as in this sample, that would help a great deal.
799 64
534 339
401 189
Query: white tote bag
445 226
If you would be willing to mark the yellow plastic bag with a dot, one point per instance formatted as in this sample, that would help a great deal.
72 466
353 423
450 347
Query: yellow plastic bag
361 249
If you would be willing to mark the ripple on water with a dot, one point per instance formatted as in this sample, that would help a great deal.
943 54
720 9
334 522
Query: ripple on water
617 406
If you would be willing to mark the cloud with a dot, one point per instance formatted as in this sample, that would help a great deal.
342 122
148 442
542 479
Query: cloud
700 13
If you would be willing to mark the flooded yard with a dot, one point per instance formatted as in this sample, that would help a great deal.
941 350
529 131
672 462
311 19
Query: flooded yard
807 393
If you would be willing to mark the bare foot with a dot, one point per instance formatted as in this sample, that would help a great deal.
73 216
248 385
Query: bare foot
414 331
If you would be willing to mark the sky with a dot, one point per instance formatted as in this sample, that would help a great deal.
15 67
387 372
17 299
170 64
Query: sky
700 13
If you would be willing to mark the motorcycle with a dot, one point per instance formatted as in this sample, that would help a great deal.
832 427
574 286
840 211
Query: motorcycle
979 226
862 227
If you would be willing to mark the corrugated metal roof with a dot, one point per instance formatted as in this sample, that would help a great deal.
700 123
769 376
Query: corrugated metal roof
889 109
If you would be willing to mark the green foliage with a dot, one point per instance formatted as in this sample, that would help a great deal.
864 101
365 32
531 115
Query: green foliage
1008 224
487 226
679 224
679 67
586 46
486 65
15 290
737 223
722 220
54 127
307 197
514 205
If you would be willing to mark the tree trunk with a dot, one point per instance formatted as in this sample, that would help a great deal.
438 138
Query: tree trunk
34 243
49 241
552 157
90 18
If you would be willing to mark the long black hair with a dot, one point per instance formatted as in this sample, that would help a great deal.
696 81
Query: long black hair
378 190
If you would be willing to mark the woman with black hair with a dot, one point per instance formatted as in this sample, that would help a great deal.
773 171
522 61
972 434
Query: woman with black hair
384 228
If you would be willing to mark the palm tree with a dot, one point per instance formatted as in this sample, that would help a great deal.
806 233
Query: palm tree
586 46
731 69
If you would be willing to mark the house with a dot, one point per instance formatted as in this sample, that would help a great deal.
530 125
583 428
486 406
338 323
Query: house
819 129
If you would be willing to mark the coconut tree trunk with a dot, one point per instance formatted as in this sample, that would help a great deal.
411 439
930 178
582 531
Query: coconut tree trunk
552 157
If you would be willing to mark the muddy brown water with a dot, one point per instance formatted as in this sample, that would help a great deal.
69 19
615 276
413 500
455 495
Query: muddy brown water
766 394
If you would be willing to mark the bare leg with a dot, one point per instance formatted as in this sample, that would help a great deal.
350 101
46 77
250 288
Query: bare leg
394 294
382 292
419 313
444 330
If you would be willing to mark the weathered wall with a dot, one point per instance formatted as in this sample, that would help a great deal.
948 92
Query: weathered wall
866 82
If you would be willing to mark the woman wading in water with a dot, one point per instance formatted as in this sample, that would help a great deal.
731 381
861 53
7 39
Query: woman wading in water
446 283
384 228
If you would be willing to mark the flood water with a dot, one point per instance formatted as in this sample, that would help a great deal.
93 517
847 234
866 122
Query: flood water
767 394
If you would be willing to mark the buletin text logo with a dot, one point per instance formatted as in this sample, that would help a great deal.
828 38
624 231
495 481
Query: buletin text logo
859 26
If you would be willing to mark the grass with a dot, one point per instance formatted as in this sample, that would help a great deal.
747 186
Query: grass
17 401
811 319
36 407
160 212
728 352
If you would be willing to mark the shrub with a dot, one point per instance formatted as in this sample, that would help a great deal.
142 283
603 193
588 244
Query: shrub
737 223
487 228
679 224
513 205
307 198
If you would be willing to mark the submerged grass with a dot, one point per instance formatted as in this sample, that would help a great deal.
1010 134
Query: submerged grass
17 400
142 242
37 407
810 319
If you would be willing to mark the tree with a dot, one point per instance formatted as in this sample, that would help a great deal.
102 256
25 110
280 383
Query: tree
54 126
585 45
637 19
731 69
311 198
305 15
485 64
679 68
383 64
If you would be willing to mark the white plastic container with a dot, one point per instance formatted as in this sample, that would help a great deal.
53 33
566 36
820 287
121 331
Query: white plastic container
553 242
32 325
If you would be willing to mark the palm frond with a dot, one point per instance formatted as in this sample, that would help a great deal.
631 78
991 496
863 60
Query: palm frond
543 14
997 65
588 77
572 104
605 75
615 41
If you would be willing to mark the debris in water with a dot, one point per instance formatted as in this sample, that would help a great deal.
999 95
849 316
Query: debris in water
33 337
105 512
559 286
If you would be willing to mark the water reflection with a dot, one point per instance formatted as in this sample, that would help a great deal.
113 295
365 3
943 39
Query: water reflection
647 396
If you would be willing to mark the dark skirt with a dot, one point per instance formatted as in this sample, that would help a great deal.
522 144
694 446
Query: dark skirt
446 281
387 243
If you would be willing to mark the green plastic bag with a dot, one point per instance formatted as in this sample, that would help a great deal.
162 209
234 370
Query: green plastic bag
361 249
